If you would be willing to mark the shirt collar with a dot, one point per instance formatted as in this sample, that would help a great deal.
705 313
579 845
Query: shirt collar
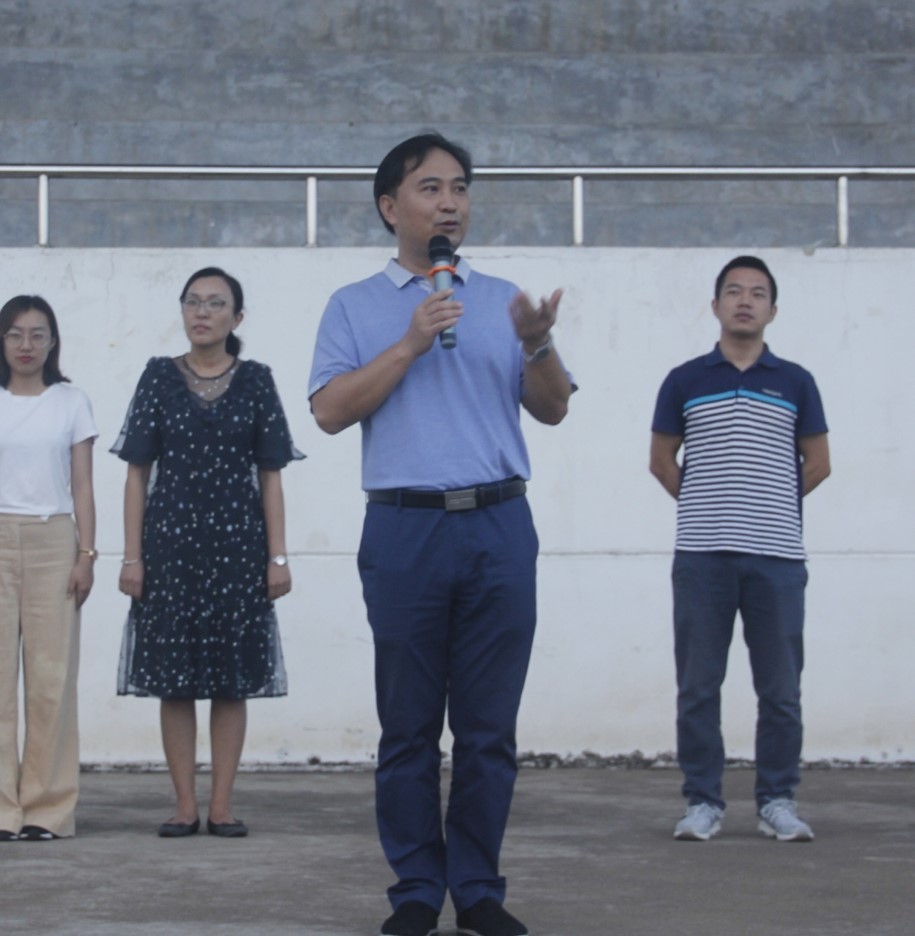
400 276
766 359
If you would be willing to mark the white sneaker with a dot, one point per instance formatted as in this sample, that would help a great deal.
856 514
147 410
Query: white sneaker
701 822
778 819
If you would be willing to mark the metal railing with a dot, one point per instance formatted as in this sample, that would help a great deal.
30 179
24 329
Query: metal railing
576 175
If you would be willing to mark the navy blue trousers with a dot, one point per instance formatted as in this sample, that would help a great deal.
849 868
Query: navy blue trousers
710 588
451 599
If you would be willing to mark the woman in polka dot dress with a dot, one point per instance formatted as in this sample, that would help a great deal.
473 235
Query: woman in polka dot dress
204 537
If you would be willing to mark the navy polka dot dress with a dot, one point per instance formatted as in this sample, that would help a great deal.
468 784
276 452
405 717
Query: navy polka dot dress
204 628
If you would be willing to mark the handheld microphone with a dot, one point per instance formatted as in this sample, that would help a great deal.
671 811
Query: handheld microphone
441 257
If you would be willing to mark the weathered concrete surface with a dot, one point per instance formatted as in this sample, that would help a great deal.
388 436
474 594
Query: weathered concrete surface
589 852
602 673
601 82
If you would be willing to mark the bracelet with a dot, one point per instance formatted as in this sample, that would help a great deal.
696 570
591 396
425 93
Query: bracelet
130 561
91 553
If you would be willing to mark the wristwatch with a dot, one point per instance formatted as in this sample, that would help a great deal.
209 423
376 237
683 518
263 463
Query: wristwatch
279 560
540 353
91 553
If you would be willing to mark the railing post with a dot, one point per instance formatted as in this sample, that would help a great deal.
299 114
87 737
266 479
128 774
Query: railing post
43 210
311 211
842 210
578 211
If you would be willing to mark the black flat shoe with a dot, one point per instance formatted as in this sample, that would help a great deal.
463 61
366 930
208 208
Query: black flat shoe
179 829
411 918
7 836
235 829
36 833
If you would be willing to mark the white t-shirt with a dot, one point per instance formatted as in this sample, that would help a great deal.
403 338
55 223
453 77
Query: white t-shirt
37 434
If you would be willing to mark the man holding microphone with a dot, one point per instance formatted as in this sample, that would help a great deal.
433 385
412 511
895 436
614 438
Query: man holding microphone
448 551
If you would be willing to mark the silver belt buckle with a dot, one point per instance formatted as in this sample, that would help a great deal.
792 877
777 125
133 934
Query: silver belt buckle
461 500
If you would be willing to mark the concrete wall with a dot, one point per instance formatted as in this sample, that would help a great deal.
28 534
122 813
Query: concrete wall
602 674
540 82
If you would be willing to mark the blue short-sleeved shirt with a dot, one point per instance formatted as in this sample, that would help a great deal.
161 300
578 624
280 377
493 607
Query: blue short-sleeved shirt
741 485
454 419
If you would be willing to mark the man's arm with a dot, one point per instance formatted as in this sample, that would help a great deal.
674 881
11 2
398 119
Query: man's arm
547 389
663 461
349 398
546 383
815 467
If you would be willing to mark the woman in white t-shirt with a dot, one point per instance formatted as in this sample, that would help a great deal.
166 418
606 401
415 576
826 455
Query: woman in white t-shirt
47 536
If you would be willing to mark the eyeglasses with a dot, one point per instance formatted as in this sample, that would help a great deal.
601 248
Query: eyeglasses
214 304
37 339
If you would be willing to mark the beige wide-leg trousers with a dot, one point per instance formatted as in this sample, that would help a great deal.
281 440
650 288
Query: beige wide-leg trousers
38 621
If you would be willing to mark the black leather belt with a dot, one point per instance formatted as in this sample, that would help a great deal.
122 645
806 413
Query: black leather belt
484 495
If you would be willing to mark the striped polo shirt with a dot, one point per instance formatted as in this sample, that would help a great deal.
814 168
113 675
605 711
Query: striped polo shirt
740 488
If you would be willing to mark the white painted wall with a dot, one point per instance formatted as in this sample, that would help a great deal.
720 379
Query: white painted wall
602 674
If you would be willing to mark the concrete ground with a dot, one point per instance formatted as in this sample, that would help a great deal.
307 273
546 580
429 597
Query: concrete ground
589 852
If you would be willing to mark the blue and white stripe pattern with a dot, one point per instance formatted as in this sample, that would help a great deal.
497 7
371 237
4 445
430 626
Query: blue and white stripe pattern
741 480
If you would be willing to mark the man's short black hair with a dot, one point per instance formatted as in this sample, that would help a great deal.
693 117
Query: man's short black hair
406 156
753 263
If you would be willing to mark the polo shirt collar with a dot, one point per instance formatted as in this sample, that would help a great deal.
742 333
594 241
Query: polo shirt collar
400 276
766 359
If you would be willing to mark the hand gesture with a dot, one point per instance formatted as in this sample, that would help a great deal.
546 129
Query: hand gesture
533 322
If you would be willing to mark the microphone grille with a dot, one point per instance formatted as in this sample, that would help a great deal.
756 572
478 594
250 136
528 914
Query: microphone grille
440 248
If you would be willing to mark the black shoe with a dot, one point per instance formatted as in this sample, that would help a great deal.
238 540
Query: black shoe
411 918
7 836
235 829
179 829
36 833
487 917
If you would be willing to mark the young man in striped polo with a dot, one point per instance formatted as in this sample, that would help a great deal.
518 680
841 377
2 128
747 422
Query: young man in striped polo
754 440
